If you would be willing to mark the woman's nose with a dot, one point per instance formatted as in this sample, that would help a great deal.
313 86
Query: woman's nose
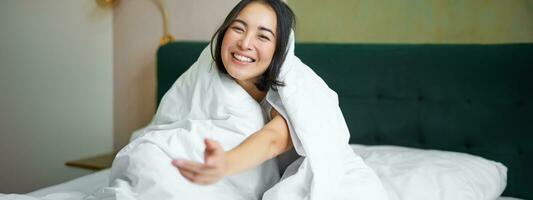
245 42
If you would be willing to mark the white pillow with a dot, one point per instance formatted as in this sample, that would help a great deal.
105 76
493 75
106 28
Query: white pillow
417 174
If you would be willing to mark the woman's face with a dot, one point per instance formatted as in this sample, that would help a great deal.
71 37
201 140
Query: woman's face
249 43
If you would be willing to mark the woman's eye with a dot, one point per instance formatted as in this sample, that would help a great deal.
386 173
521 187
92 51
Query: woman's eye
264 38
237 29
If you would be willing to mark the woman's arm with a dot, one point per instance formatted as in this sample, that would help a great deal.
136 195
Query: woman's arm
273 139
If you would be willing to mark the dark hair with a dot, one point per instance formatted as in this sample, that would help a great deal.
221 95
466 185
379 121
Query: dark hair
285 23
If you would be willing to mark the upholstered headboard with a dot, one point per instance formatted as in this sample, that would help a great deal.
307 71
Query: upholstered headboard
467 98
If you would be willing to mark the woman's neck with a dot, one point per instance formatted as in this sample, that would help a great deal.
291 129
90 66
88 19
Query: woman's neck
251 89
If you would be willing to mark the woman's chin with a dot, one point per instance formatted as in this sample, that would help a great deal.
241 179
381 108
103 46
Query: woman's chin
236 75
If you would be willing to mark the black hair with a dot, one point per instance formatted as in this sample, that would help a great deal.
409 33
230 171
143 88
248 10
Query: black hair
285 23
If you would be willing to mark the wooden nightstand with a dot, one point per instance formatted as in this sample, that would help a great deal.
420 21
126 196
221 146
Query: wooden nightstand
96 163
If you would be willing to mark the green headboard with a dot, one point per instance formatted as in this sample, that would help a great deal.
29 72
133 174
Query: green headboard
467 98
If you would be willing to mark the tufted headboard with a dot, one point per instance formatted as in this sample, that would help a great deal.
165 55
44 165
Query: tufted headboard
476 99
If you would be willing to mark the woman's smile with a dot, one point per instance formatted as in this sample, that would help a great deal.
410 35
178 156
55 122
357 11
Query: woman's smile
242 59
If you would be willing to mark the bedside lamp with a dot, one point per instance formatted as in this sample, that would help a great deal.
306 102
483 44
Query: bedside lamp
167 37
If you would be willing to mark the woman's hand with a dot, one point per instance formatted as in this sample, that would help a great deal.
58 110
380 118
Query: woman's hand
211 171
273 139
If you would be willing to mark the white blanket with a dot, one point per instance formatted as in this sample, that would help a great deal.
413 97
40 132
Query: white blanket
204 103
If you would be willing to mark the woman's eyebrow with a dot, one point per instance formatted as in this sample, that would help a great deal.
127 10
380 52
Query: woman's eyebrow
240 21
266 29
260 27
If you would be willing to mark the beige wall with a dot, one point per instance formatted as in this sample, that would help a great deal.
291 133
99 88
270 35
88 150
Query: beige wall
137 28
55 90
414 21
136 31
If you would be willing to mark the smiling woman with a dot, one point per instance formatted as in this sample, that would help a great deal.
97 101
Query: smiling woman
246 52
242 123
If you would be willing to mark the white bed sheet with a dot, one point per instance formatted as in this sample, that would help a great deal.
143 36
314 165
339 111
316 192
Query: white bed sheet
85 184
89 183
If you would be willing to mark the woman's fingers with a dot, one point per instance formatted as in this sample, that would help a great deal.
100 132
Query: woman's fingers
211 171
213 152
209 144
188 165
209 150
202 176
197 178
187 174
194 167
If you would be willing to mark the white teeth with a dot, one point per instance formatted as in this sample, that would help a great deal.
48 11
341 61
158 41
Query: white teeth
242 58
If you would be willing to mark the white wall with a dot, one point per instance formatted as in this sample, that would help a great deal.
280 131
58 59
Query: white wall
56 89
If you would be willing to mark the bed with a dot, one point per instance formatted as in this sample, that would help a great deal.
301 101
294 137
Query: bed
474 99
462 97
